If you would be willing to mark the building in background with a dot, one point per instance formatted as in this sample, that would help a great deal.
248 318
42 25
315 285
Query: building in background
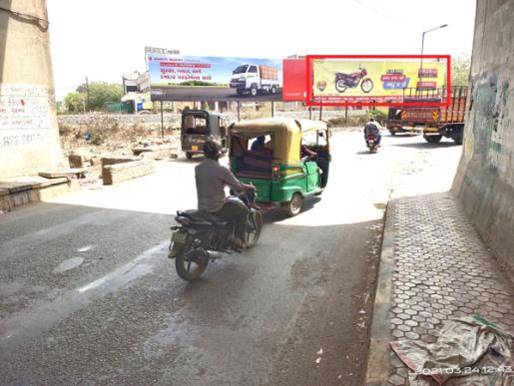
136 92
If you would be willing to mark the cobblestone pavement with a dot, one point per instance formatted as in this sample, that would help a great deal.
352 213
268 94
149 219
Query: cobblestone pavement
442 270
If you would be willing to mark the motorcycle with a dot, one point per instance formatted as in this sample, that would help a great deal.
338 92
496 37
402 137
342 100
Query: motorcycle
201 237
345 81
372 142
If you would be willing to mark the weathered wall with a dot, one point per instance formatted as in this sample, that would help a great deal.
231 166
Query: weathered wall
29 138
485 178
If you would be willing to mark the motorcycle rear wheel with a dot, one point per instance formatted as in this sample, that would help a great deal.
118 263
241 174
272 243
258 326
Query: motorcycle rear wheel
191 265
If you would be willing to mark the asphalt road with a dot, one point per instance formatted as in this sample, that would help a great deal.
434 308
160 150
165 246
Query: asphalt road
88 296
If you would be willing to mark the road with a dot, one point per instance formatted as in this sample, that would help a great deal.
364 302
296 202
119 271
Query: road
88 296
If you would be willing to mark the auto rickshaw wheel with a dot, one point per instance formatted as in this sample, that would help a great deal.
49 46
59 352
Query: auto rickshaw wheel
294 206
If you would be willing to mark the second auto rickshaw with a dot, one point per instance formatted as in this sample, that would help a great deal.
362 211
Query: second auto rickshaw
197 126
287 160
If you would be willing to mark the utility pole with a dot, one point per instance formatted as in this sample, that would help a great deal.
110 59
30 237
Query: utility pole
87 93
423 45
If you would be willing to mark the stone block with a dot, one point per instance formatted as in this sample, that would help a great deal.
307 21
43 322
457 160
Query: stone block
123 171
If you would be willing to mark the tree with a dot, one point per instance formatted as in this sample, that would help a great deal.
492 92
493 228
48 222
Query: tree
460 70
75 102
100 93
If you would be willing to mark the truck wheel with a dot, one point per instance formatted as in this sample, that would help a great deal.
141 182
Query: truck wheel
189 155
433 138
393 132
253 90
458 139
273 90
294 206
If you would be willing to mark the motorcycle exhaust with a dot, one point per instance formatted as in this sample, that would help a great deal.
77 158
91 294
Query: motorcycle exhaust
214 255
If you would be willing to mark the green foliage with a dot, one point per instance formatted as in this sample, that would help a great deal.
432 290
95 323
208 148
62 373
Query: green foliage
379 115
460 70
100 93
75 102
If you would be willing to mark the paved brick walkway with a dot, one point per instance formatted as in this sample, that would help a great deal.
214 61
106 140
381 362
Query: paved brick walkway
441 270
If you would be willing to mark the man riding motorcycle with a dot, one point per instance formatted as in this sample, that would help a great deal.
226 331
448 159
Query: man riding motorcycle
372 128
211 179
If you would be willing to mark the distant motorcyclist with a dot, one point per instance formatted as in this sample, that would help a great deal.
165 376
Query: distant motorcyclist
373 128
211 179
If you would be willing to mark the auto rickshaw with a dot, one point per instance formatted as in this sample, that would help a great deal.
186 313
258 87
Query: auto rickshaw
196 126
285 159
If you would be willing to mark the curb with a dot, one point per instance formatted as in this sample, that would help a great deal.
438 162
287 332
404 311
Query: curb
377 372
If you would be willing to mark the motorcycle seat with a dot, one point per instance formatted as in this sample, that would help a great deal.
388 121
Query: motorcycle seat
201 217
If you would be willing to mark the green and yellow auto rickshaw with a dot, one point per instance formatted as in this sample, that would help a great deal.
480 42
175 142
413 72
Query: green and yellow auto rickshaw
287 160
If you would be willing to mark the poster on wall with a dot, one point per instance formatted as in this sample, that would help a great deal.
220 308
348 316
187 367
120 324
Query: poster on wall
354 80
184 78
25 115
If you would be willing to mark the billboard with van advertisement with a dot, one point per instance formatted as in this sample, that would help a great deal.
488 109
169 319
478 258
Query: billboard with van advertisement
183 78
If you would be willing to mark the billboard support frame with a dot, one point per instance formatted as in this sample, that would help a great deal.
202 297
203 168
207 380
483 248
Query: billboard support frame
162 121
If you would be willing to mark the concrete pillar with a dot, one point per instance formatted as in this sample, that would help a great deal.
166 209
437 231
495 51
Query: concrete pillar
485 177
29 136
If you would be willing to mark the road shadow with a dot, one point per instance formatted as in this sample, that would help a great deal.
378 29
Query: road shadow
279 214
246 293
426 145
406 135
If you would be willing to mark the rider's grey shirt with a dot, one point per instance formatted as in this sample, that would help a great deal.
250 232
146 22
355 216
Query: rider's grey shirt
211 179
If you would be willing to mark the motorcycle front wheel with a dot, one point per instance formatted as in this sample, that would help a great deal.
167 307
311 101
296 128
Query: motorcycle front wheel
367 85
341 86
192 264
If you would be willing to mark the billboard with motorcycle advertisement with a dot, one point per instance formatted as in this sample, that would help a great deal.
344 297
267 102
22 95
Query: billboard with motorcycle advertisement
377 80
192 78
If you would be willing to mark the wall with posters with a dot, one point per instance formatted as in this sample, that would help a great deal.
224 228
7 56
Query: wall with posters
183 78
29 137
337 80
485 177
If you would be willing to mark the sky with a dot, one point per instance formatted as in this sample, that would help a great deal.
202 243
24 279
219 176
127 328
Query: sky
103 39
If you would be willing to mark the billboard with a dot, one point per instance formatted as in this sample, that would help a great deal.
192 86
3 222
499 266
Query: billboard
191 78
375 80
295 80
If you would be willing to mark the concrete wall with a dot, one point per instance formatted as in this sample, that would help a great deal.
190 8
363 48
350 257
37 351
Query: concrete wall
485 178
29 137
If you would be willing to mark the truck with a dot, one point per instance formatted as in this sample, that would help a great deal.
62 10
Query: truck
253 79
433 122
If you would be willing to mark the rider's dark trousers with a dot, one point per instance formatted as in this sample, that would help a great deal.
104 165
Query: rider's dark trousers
235 213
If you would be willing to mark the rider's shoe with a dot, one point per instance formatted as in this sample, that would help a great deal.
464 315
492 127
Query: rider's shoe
237 243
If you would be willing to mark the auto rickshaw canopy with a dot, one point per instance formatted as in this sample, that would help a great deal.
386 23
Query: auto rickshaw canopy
286 134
